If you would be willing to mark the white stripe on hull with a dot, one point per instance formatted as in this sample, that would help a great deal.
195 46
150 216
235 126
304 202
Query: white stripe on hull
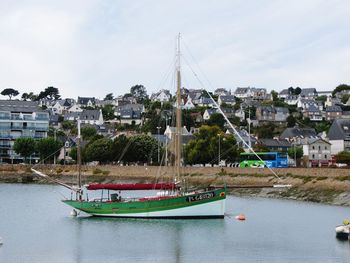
215 208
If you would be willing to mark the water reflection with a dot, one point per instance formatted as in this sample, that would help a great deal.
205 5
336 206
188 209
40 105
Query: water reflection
149 240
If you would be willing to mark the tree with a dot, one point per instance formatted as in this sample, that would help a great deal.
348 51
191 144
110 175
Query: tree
49 93
205 147
119 148
109 96
143 148
99 150
88 132
10 92
340 88
297 91
108 112
24 146
139 92
29 96
260 148
291 121
274 95
265 131
343 157
295 152
48 147
345 98
217 119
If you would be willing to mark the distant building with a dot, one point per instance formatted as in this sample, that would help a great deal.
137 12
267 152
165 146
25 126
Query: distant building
86 101
309 93
339 135
275 145
333 112
317 152
20 119
295 134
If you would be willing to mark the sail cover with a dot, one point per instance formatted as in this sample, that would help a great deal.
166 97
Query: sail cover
158 186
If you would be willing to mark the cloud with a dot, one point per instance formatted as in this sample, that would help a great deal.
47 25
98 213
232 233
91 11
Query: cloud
92 48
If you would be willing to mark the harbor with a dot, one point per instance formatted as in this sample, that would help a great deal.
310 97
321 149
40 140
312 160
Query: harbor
39 227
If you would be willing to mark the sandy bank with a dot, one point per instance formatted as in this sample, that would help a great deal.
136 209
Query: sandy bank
326 185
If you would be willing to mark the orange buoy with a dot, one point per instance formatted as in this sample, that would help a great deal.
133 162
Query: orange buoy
241 217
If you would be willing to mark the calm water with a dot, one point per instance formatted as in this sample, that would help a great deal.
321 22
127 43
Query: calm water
36 227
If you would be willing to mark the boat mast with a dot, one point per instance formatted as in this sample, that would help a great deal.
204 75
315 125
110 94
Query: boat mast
178 112
79 161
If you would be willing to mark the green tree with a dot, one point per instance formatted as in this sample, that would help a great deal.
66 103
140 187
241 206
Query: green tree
88 132
217 119
108 112
260 148
143 148
265 131
291 121
139 92
24 146
343 157
68 125
345 98
274 95
99 150
50 93
205 147
340 88
9 92
48 147
109 96
295 152
119 148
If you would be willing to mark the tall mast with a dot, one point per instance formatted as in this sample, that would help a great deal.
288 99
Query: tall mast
178 112
79 160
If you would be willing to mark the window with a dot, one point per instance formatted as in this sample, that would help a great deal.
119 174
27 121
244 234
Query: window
325 147
313 156
325 156
319 147
313 147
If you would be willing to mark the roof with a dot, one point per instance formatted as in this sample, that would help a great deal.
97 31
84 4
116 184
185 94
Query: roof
312 108
85 100
275 143
90 114
339 130
308 91
334 108
20 106
314 140
241 90
284 92
227 98
298 132
282 110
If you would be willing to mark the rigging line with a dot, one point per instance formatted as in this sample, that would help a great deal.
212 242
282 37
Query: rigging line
196 63
227 120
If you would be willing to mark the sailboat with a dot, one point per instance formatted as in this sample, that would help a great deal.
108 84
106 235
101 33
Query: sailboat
173 200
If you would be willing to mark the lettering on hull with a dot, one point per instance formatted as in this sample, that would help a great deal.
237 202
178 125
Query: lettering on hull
199 197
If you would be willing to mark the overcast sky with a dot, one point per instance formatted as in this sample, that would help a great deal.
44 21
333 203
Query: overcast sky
91 48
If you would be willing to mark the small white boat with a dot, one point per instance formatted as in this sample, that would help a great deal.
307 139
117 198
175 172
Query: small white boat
343 231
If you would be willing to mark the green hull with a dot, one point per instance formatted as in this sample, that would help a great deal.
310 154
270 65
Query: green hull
199 205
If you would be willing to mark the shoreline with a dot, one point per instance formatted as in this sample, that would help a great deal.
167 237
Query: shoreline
320 185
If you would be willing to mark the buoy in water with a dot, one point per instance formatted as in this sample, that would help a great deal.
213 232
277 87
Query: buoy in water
241 217
73 212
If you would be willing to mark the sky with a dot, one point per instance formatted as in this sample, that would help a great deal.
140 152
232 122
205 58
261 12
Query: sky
94 47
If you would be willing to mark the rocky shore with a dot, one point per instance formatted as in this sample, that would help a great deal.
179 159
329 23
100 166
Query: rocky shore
324 185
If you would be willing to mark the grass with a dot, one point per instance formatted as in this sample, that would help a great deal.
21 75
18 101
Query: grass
343 178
